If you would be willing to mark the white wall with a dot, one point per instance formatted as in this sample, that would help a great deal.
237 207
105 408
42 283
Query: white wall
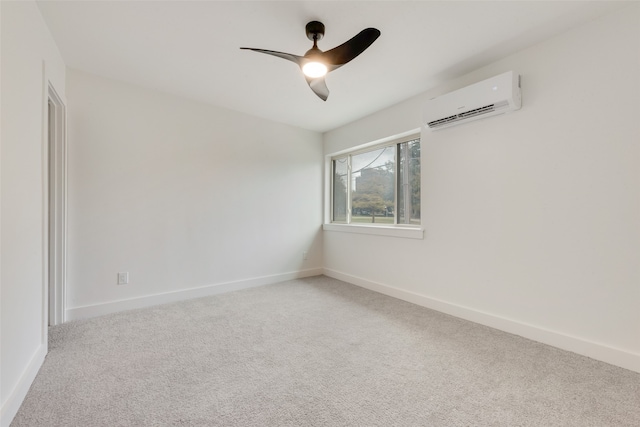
26 43
182 195
532 219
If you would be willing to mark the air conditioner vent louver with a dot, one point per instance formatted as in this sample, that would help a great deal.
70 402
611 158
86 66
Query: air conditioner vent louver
482 110
500 94
441 122
475 112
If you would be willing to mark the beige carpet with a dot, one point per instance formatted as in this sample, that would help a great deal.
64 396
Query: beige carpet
315 352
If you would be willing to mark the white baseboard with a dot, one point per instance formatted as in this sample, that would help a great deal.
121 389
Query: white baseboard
13 402
183 294
594 350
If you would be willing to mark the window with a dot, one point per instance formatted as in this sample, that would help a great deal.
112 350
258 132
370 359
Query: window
378 186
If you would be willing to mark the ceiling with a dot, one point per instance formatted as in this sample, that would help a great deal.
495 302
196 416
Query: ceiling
191 48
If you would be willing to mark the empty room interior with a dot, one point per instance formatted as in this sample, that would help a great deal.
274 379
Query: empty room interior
294 213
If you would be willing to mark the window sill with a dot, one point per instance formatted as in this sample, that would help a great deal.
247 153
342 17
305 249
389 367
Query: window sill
378 230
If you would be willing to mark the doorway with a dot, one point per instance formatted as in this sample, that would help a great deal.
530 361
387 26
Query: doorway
57 212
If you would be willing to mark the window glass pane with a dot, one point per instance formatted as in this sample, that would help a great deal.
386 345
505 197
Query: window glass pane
340 180
409 182
380 186
373 186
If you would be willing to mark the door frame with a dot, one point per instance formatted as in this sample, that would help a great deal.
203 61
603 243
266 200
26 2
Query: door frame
55 163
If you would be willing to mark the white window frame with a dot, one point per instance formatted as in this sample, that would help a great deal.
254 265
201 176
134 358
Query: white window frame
411 231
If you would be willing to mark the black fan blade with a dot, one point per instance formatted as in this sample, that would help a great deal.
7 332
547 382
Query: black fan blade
289 56
319 87
338 56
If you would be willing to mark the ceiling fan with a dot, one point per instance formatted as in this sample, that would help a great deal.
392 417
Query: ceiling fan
315 64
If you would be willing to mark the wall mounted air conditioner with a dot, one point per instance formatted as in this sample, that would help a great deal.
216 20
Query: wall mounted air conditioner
497 95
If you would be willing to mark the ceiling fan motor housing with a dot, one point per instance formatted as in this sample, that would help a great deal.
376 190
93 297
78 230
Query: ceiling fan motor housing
315 30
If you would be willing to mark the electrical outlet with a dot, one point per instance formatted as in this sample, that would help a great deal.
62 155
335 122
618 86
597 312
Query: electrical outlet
123 278
304 255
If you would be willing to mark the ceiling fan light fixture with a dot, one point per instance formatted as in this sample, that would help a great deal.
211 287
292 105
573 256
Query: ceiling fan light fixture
314 69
